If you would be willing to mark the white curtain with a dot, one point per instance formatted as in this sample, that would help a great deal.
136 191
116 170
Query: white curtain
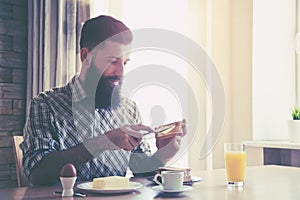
53 42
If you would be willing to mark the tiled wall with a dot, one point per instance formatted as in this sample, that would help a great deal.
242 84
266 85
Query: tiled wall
13 65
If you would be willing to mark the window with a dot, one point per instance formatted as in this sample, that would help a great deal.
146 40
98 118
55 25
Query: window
273 68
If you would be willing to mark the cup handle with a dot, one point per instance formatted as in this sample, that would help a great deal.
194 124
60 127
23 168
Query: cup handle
156 180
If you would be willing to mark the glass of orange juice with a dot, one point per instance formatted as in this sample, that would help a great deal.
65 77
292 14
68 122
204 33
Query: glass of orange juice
235 163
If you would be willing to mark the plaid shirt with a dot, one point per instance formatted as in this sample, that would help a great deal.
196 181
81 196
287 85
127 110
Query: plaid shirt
60 119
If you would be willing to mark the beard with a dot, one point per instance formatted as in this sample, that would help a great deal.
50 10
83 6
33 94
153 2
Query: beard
101 91
106 95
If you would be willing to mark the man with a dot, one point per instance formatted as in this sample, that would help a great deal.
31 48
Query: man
87 122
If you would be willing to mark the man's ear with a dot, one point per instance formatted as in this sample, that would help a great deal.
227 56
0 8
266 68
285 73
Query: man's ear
83 54
86 63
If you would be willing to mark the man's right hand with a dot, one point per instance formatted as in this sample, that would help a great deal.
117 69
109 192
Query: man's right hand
126 137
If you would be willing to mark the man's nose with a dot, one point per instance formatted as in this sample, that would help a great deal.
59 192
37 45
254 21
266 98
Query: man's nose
119 69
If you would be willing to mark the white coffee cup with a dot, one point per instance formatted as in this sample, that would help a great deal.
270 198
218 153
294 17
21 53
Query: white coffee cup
171 180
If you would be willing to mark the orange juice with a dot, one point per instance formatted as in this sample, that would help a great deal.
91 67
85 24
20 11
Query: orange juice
235 162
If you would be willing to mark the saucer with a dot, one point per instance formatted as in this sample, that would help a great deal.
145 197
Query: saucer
161 189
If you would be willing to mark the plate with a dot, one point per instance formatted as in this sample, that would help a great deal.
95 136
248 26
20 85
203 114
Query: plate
88 186
161 189
194 180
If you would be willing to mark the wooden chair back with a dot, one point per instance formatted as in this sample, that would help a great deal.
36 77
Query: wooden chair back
18 155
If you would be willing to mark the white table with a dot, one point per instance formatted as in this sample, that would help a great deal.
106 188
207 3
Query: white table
262 182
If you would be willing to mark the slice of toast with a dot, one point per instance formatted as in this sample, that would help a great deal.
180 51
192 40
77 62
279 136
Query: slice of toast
168 130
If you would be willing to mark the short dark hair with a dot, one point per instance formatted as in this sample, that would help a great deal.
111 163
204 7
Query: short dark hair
98 29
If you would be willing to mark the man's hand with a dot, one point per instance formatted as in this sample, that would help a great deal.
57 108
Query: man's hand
168 147
126 137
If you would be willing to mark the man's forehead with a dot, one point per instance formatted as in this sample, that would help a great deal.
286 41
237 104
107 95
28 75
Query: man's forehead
111 48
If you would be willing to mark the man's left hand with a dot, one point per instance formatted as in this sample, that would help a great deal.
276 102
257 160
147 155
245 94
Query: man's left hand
168 147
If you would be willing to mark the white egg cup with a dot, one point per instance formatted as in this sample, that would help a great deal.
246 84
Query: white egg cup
67 184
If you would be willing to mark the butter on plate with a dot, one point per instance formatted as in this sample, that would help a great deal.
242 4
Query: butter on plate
111 182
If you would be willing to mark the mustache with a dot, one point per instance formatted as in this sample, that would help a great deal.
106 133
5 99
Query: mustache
113 78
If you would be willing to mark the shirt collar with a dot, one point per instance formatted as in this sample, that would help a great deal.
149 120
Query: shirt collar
77 89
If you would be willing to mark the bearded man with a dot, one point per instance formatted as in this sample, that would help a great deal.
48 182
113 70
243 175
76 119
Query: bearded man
87 122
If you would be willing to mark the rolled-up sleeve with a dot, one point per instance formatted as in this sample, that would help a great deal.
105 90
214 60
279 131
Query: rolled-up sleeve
38 135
